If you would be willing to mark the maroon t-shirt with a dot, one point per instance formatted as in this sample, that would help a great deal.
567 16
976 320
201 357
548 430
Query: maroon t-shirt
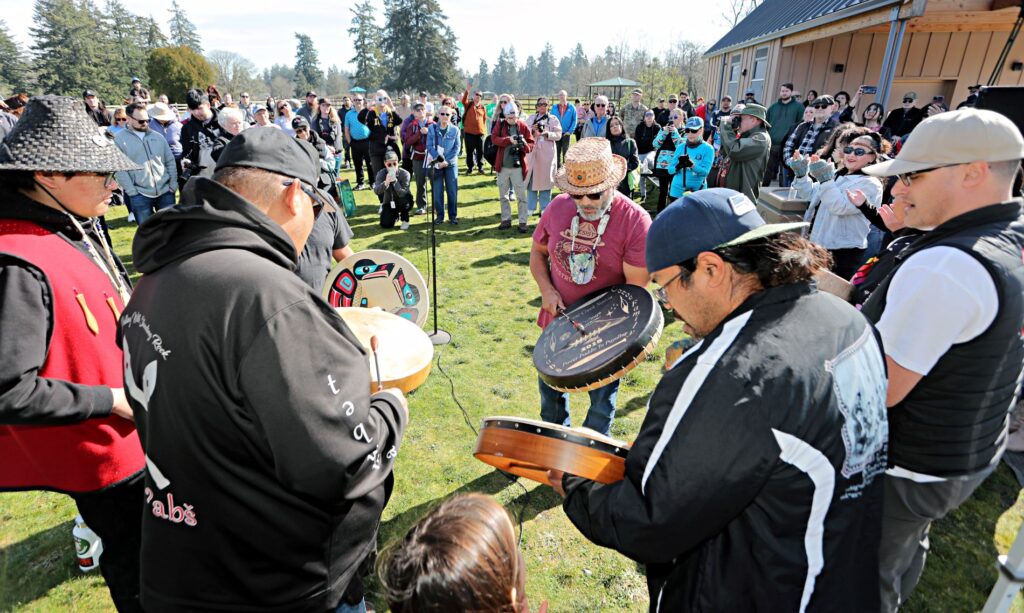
624 240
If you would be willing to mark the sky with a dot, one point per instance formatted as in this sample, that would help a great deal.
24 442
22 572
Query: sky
263 30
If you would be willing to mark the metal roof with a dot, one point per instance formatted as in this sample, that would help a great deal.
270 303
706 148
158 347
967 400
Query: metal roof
617 81
775 18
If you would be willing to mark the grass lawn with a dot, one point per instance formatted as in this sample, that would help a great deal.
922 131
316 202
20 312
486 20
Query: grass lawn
489 303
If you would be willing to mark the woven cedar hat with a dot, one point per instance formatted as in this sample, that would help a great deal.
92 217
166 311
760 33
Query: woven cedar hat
55 134
590 167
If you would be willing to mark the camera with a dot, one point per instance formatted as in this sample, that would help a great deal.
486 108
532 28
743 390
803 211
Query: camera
517 150
438 160
735 122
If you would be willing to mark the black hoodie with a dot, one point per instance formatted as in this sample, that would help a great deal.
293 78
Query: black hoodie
268 464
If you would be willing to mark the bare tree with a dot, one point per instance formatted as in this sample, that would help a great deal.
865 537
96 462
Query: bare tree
234 73
736 10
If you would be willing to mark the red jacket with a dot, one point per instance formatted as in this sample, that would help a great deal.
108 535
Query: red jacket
95 453
414 144
499 136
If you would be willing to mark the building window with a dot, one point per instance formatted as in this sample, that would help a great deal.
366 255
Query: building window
733 88
759 72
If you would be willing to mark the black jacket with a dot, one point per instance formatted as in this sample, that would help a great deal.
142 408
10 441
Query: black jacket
269 465
900 122
644 137
198 140
379 130
755 481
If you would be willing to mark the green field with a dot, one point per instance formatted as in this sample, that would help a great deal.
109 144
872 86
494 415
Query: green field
489 303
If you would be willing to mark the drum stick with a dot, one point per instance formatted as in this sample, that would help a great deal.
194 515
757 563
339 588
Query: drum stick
376 362
579 328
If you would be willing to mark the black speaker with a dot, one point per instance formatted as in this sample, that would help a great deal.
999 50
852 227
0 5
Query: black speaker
1006 100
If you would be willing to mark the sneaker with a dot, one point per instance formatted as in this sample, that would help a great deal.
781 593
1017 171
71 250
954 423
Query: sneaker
480 170
523 228
360 186
454 222
505 224
438 221
405 225
421 211
131 216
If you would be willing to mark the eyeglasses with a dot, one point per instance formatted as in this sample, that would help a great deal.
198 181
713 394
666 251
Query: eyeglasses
592 196
318 206
357 100
907 177
858 151
108 178
662 293
600 106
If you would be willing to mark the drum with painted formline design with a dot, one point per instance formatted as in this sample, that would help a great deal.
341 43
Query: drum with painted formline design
382 279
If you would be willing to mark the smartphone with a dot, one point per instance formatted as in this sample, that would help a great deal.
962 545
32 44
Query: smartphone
869 89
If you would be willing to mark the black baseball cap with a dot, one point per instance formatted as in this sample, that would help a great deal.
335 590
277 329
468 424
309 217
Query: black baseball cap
310 93
299 122
88 93
274 151
703 221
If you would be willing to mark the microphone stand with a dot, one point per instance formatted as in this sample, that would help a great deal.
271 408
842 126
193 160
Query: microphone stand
438 336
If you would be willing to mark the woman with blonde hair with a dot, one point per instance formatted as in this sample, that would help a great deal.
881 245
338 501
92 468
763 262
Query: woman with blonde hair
384 124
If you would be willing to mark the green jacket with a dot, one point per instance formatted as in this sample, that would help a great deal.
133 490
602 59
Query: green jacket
783 117
748 158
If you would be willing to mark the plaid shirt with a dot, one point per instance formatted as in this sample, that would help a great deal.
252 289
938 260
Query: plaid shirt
807 143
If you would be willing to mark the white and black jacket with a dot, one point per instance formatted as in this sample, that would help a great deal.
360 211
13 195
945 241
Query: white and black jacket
754 483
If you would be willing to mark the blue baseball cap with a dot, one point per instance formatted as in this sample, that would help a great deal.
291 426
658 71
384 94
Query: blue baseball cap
703 221
694 123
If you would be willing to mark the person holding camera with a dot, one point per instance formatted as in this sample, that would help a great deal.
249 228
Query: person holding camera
546 129
665 145
392 187
692 161
514 141
745 141
443 145
383 122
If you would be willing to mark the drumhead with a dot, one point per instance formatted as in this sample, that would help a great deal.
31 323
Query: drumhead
404 350
621 323
378 278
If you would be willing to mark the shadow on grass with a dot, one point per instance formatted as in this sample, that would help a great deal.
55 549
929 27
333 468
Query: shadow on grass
33 566
634 404
521 259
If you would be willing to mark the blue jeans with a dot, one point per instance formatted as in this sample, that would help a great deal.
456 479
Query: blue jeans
554 407
445 181
875 236
144 206
347 608
544 196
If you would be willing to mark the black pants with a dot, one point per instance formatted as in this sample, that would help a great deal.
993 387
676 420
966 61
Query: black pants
474 151
391 211
664 183
845 262
771 172
115 515
563 146
419 174
348 151
360 156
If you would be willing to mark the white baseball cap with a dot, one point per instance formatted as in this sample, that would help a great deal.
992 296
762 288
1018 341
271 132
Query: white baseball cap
957 137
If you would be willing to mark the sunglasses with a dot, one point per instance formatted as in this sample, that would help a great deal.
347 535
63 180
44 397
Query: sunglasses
906 100
444 114
281 108
907 177
318 206
592 196
120 119
858 151
692 130
821 106
600 106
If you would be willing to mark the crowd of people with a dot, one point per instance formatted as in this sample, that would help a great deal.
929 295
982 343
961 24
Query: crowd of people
793 457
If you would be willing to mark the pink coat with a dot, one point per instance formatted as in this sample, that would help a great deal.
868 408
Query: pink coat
543 160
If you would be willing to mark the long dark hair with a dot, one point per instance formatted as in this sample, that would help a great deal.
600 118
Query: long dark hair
462 556
782 259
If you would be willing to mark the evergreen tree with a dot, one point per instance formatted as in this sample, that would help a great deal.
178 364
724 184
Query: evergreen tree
483 77
72 50
511 71
546 70
528 76
174 70
14 67
154 37
369 59
419 46
307 66
337 82
564 70
183 31
128 36
579 57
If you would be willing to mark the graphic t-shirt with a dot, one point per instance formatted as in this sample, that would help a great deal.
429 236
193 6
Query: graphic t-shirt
623 241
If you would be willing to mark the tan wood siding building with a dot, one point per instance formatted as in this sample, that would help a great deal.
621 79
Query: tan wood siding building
946 46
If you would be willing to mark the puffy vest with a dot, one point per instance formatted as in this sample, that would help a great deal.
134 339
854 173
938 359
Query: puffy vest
91 454
954 422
